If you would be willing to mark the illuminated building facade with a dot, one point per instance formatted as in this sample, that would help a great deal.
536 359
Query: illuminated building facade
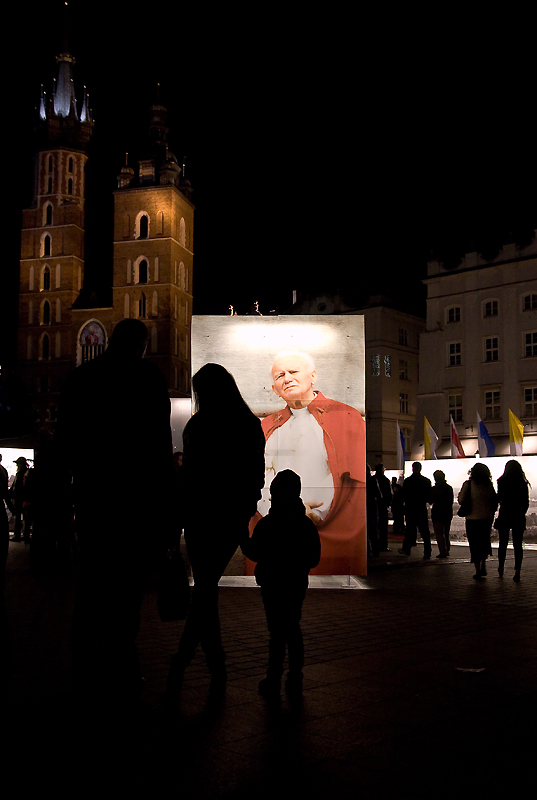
478 353
152 254
391 370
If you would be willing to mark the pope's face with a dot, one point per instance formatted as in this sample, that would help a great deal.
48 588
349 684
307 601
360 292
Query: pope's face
293 380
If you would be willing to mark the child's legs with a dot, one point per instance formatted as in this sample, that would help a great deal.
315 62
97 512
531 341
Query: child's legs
295 641
276 623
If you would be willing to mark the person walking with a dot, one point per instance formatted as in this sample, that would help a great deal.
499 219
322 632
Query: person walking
478 503
223 474
513 497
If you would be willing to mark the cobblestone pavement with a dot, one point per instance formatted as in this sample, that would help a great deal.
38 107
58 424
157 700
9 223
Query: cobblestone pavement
422 681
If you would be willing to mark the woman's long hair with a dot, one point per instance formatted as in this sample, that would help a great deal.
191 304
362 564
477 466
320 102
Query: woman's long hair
215 391
480 474
513 475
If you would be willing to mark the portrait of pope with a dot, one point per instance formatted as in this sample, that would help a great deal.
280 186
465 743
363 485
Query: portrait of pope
323 441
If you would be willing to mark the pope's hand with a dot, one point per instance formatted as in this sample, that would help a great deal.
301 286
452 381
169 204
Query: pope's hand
311 513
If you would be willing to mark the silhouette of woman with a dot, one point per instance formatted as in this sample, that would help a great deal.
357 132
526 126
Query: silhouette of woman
223 474
479 492
513 496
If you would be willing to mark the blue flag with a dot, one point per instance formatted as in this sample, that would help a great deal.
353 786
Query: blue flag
486 446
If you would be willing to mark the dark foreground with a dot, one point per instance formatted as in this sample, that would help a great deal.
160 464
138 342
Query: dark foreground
423 684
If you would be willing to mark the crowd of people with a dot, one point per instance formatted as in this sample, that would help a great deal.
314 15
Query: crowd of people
478 502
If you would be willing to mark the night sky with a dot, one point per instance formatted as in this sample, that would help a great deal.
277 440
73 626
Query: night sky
326 153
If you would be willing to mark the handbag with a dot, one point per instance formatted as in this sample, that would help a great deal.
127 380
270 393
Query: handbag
465 507
173 592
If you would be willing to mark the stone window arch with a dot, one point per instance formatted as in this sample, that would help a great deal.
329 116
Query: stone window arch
91 341
47 213
45 279
142 306
182 232
45 313
46 245
141 270
141 225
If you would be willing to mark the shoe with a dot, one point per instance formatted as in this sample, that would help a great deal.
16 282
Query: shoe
442 555
270 687
500 572
403 552
426 556
516 577
477 577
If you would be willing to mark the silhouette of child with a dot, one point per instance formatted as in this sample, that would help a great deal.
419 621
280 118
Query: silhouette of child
286 545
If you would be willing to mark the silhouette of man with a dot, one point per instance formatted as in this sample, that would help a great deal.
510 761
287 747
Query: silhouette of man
323 441
416 494
114 427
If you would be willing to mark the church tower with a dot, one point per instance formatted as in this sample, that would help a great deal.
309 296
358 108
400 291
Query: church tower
153 253
52 243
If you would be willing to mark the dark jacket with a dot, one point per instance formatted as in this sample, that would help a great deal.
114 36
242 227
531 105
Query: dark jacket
286 545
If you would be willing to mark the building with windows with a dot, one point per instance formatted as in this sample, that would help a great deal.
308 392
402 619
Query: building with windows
60 324
392 341
478 352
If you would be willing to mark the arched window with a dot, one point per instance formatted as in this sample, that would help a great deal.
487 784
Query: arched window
141 225
142 271
45 284
144 227
155 270
31 279
45 245
45 313
154 305
142 306
182 232
50 164
58 275
31 312
49 186
70 186
45 347
70 166
160 222
47 217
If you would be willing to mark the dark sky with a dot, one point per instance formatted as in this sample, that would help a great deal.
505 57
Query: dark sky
326 153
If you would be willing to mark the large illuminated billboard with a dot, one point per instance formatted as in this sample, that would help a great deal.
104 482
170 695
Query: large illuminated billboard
321 436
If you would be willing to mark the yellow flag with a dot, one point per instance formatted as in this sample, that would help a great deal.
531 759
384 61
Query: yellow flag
516 434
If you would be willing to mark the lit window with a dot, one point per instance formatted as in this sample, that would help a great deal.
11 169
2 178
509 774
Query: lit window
375 365
388 366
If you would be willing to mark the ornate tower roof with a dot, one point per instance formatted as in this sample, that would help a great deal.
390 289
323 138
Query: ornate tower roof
62 121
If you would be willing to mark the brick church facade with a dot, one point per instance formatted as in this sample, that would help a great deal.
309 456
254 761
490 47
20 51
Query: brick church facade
152 255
